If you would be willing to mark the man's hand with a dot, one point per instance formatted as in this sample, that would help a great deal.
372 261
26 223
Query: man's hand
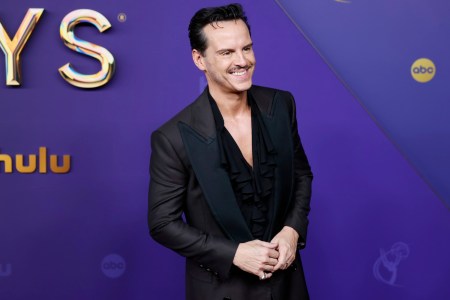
257 257
287 240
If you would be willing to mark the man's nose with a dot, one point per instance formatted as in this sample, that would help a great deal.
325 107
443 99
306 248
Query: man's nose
240 59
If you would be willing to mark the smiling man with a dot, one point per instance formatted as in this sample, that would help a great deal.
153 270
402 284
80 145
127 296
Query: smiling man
233 164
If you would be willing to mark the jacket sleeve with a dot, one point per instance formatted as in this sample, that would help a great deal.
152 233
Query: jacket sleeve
166 200
297 216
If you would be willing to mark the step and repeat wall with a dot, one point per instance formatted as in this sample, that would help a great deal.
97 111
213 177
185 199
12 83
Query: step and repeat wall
84 83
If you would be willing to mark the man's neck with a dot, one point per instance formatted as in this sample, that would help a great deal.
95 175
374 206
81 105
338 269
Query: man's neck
231 105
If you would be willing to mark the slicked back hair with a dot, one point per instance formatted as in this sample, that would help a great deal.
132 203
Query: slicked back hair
212 15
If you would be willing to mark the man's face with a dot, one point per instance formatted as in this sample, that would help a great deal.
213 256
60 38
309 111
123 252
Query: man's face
228 61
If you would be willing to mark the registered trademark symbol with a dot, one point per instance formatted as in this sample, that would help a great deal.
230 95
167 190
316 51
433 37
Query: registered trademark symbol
122 17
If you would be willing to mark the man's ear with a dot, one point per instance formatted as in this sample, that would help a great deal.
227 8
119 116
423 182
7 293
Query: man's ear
198 59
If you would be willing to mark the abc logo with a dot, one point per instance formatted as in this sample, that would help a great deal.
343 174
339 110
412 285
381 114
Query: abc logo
423 70
113 265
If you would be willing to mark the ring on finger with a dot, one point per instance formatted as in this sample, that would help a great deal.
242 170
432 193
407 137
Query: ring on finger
263 276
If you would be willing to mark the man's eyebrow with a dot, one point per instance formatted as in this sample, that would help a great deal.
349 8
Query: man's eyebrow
232 50
224 50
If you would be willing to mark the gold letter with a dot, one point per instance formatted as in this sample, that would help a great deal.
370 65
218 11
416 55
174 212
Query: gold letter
103 55
31 164
42 160
8 162
65 168
13 48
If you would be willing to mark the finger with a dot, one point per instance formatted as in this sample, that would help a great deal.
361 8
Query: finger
267 269
291 258
281 261
272 262
264 275
266 244
283 258
276 267
289 261
274 254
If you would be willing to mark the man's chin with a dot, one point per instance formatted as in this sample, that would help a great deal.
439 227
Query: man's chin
243 86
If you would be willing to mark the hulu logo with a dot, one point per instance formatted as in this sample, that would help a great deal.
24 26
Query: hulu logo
41 162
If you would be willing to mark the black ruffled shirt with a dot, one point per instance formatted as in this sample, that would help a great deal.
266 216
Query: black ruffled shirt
253 187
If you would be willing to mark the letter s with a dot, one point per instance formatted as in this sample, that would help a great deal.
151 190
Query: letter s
103 55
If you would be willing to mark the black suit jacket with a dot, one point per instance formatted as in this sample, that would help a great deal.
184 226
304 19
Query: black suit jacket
186 177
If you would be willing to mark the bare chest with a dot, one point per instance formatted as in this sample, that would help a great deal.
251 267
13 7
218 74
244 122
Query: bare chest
241 131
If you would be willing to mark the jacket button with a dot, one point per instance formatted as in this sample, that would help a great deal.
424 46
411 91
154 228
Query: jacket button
201 266
208 269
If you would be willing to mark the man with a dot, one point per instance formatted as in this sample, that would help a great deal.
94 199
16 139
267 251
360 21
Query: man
232 162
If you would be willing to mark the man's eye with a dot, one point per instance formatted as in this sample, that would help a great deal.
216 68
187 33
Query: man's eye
225 53
247 49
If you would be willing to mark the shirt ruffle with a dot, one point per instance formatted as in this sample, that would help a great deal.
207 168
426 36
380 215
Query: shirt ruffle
253 187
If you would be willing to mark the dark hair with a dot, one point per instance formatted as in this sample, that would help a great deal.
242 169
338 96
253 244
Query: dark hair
210 15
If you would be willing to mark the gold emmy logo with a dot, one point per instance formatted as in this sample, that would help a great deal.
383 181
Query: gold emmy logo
33 164
423 70
13 47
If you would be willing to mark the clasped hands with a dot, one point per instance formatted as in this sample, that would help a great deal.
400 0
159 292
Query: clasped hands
263 259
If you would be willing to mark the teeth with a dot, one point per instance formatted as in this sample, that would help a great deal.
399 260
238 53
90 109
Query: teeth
239 73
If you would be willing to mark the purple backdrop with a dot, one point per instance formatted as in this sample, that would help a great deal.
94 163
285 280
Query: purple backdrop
377 230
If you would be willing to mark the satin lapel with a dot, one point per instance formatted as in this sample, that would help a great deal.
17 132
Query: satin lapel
202 149
276 118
